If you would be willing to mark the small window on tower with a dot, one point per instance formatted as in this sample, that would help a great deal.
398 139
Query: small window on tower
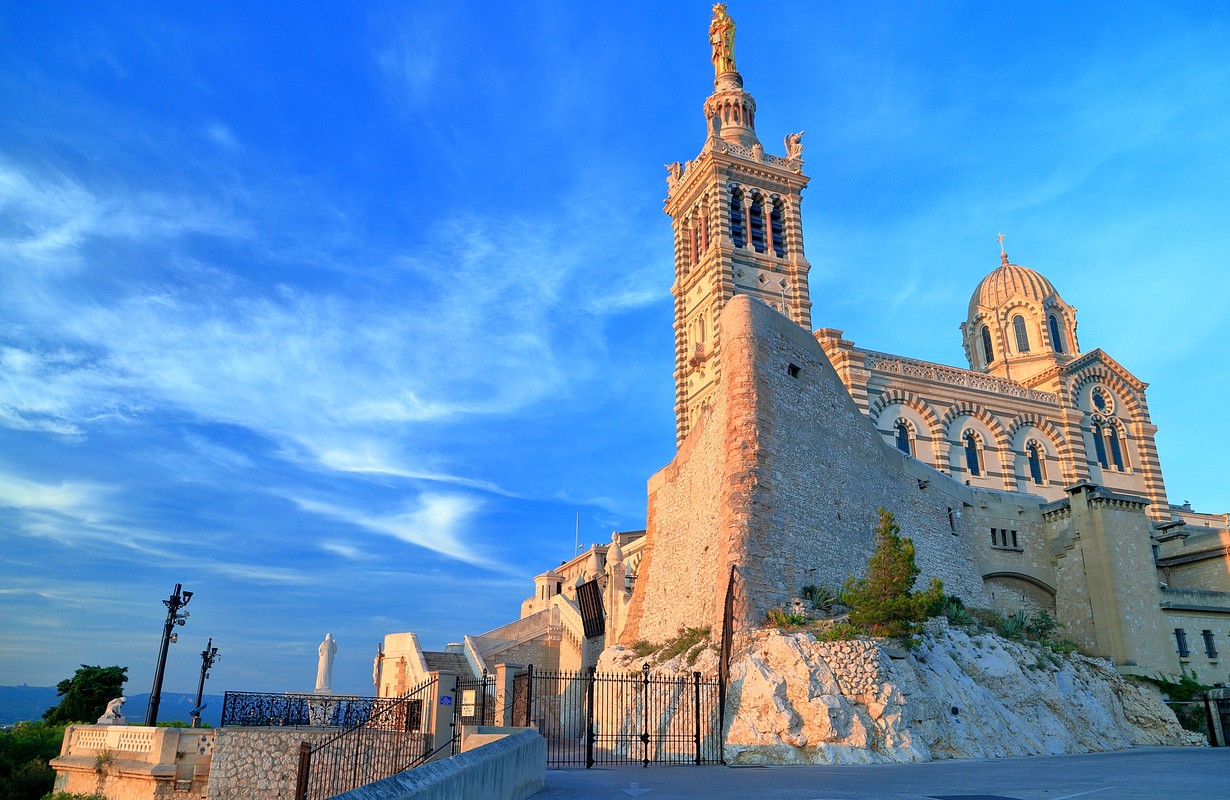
736 218
775 229
988 352
792 370
756 223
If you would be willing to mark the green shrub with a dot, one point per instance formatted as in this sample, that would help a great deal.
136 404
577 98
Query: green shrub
643 648
955 612
682 642
841 632
24 753
821 598
884 602
779 618
1013 626
72 796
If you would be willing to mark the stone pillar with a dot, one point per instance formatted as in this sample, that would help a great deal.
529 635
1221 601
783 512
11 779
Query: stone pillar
442 712
504 674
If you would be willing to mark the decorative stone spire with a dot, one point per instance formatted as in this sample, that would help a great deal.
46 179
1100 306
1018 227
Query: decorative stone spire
614 553
730 111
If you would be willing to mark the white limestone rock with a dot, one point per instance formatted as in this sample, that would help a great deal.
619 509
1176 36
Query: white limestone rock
798 701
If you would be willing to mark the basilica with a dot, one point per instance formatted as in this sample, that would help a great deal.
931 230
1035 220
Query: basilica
1027 479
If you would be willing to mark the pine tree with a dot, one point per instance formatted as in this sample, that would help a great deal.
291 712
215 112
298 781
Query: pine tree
84 697
883 602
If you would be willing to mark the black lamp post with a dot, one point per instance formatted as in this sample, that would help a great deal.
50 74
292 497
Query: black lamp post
208 656
174 603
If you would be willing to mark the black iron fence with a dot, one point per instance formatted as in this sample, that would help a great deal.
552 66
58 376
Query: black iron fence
473 704
263 709
591 718
394 737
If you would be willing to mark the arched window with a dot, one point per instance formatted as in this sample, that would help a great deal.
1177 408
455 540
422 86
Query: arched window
1022 336
1037 468
776 234
904 444
704 229
694 242
1056 335
756 223
1099 446
1116 449
736 218
988 352
972 460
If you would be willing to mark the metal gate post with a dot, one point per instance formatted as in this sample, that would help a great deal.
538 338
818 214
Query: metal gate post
645 714
696 707
529 694
305 767
482 707
589 721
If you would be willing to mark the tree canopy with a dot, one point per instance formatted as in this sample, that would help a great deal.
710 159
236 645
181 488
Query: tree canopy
84 697
883 602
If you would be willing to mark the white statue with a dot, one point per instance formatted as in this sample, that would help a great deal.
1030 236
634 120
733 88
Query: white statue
794 145
114 715
376 666
324 668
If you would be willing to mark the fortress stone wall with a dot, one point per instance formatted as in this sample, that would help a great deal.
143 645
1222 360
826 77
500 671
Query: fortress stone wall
782 478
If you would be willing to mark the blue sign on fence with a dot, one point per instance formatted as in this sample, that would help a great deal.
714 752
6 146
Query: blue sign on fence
446 700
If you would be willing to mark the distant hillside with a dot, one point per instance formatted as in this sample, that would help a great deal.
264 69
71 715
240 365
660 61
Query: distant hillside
23 703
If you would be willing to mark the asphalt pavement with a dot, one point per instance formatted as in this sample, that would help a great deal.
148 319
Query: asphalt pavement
1142 773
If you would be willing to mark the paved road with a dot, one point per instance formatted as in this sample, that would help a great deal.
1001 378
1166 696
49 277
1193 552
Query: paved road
1143 773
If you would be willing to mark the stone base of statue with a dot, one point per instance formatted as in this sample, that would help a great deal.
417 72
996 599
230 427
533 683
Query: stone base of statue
112 719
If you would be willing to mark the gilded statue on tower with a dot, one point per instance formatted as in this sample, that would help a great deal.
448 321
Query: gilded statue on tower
722 38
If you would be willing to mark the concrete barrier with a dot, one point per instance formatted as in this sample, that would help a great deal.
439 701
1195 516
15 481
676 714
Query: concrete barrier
510 767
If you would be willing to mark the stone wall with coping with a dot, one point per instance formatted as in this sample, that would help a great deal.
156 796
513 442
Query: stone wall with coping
259 763
134 762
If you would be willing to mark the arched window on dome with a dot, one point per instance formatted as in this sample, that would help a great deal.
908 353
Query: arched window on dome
988 352
904 438
1022 335
1056 334
755 223
1037 462
1099 446
777 234
737 235
973 453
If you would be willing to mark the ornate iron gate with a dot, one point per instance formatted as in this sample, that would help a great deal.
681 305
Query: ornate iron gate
593 718
473 704
396 737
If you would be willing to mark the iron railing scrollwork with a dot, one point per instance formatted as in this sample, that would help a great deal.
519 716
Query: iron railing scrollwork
288 710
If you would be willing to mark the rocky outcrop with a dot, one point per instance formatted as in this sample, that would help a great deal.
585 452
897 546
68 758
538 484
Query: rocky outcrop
794 700
958 694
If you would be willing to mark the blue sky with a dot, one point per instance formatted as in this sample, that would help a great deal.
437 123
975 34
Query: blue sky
339 316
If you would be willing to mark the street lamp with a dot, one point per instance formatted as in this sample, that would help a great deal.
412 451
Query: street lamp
174 603
208 657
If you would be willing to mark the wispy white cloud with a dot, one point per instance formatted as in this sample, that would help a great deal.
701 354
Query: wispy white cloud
437 522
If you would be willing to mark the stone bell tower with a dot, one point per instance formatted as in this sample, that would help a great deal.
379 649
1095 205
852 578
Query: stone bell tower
737 229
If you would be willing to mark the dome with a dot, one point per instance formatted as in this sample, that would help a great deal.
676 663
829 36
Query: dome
1006 281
